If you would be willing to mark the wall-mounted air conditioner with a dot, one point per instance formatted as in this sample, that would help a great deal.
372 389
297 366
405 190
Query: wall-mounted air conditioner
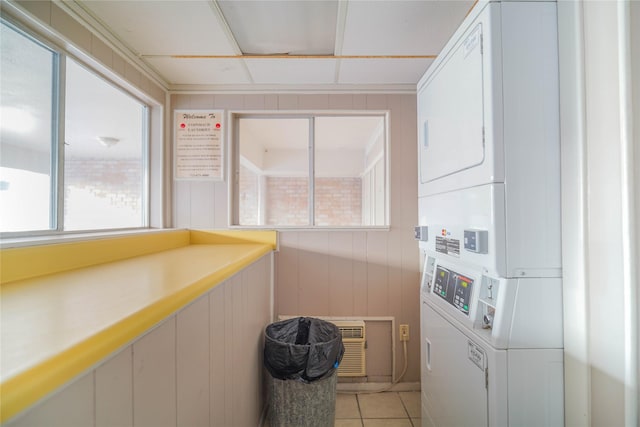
354 339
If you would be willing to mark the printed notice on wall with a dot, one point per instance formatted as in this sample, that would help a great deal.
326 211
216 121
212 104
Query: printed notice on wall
198 144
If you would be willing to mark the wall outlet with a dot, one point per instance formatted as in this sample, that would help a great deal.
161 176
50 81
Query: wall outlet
404 332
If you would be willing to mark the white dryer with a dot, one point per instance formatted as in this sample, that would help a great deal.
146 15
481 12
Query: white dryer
489 211
488 107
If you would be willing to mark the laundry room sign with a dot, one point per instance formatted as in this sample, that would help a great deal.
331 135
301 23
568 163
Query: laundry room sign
198 144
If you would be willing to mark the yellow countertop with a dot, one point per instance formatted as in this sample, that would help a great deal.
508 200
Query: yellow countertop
57 325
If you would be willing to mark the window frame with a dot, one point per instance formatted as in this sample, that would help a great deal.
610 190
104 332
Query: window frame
234 165
57 160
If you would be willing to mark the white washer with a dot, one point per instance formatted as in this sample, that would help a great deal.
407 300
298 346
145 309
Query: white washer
489 211
509 374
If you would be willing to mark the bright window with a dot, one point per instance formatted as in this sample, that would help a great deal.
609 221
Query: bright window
86 172
27 138
104 154
310 170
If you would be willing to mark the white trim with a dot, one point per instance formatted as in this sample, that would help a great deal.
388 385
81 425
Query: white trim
57 187
373 387
168 186
278 114
577 364
311 203
628 217
341 22
264 89
322 228
99 29
387 168
215 7
80 236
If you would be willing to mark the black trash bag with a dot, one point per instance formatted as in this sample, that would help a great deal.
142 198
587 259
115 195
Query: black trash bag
303 348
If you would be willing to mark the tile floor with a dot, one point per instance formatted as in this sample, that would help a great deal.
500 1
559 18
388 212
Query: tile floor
389 409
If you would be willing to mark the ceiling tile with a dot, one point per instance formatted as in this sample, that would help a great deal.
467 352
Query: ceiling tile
382 71
200 71
292 71
164 27
401 27
282 27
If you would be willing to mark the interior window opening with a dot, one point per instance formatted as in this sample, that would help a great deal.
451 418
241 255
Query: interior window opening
324 171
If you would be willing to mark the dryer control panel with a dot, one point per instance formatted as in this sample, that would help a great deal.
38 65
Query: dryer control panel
454 288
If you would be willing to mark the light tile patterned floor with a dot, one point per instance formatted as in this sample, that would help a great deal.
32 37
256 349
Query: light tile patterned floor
388 409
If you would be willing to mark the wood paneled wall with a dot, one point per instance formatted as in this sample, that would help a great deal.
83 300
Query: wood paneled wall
200 367
336 273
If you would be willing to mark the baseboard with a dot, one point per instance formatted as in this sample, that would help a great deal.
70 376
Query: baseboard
373 387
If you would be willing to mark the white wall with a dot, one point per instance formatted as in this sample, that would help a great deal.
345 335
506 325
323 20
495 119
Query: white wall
600 214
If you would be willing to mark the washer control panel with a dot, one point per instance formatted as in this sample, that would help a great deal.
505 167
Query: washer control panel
454 288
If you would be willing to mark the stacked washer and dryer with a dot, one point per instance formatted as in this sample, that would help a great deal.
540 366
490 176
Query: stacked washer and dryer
489 222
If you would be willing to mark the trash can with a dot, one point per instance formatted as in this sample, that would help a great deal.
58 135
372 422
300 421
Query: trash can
301 356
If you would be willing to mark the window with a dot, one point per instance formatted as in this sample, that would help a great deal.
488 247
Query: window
104 154
71 162
27 137
302 171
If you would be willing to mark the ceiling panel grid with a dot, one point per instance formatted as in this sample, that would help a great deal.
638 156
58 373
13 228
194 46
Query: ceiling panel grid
284 43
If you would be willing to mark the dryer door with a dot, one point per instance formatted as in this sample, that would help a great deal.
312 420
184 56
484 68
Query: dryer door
450 112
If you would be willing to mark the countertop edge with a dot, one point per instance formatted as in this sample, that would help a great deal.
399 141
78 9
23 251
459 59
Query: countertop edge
30 386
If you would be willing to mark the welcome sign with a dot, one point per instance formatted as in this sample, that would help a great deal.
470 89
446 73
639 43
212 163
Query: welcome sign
198 142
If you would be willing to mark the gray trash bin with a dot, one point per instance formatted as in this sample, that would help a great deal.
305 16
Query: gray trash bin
301 356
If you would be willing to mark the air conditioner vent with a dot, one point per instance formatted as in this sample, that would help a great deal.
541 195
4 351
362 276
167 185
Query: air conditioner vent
353 362
352 332
353 337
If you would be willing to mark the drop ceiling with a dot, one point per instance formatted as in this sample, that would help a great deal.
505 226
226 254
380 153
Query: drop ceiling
269 44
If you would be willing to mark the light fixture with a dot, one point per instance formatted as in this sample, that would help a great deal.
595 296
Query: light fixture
108 141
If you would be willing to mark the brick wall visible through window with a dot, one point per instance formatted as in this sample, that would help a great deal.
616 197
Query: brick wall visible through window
117 182
338 201
287 201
